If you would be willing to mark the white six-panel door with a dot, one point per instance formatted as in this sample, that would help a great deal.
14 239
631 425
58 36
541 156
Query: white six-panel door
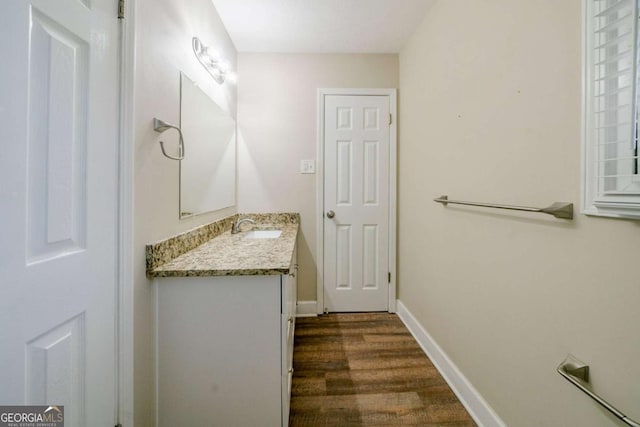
58 223
356 203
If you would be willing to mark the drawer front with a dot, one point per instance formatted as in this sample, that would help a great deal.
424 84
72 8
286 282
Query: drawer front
290 288
288 302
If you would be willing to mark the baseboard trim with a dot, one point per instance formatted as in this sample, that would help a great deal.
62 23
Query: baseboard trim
477 407
306 309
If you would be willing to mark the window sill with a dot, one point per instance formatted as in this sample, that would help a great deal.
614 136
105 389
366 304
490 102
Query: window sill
613 210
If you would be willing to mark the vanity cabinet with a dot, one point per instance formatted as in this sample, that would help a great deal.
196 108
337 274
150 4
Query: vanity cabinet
225 349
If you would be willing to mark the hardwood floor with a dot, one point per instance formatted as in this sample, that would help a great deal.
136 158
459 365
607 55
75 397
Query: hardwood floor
367 370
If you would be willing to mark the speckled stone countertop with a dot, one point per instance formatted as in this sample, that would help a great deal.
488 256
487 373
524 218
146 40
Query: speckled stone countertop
226 254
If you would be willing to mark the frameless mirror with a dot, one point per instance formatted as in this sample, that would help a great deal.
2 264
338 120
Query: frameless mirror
208 170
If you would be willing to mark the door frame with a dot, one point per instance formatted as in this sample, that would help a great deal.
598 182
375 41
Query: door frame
125 243
393 179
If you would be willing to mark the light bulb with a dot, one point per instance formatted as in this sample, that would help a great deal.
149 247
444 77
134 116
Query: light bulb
224 66
213 55
232 77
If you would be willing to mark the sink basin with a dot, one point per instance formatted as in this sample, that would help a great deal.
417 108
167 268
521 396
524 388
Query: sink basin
263 234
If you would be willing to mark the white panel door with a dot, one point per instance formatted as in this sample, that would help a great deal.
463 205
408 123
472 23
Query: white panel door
58 217
356 203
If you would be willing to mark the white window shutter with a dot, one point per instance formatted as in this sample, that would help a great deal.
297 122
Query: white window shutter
612 183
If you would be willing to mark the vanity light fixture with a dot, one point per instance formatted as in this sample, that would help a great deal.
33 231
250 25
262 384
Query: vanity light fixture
212 61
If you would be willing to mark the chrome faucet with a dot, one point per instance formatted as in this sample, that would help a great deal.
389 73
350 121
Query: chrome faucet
235 229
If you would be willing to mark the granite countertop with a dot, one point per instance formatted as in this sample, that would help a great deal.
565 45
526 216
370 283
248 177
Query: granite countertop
229 254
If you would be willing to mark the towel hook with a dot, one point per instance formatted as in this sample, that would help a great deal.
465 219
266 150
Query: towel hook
161 126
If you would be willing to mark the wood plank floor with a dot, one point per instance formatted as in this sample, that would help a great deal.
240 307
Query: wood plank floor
367 370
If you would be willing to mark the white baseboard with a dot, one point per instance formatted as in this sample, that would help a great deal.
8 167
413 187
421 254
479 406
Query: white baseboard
477 407
306 309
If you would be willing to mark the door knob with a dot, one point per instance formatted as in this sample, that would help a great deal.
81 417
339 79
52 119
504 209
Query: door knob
331 214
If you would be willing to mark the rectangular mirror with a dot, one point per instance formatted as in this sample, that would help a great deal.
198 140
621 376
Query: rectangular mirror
208 170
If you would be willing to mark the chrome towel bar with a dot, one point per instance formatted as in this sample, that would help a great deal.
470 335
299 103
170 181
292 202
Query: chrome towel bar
577 373
557 209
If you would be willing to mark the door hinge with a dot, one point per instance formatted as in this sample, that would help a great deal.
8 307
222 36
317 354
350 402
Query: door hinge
120 16
389 277
390 118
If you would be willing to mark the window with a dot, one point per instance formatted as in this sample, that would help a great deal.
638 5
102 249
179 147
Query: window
611 58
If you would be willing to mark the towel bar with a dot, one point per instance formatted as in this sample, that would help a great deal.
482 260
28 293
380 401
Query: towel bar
557 209
577 373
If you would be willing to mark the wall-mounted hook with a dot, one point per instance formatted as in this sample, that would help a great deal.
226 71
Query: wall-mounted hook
161 126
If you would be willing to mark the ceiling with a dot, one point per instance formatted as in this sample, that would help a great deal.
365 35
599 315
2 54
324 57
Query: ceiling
321 26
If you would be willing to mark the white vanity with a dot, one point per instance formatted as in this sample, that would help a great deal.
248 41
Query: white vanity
225 326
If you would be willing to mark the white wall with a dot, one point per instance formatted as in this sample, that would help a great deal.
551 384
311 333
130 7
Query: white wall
277 115
490 104
164 29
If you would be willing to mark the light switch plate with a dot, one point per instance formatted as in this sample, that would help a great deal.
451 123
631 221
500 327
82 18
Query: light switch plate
307 166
